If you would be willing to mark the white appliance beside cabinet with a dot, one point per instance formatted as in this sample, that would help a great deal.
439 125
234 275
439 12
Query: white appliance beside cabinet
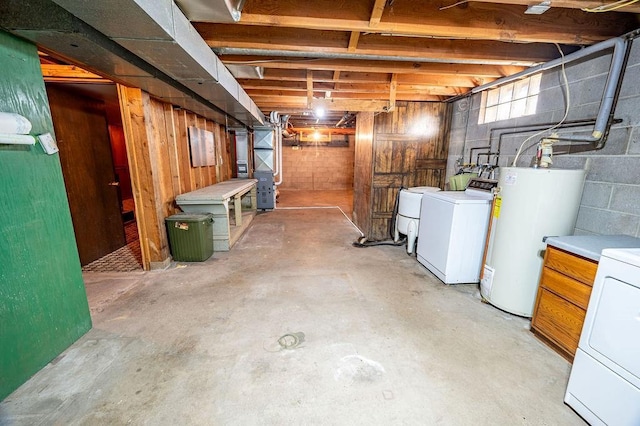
453 229
604 385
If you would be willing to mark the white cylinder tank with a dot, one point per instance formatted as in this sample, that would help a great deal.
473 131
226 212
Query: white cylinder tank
531 204
408 217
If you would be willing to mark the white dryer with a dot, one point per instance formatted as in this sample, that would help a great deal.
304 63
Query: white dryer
604 385
453 229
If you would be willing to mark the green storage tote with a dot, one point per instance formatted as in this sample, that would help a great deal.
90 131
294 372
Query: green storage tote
190 236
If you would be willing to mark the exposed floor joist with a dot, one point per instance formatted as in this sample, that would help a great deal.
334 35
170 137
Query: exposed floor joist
364 55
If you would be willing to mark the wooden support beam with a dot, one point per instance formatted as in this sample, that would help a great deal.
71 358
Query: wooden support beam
478 20
153 243
350 105
346 77
392 91
353 41
370 66
237 36
309 88
331 130
376 13
256 95
69 74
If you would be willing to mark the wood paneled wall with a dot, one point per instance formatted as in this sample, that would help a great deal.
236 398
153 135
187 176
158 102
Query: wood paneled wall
403 148
157 140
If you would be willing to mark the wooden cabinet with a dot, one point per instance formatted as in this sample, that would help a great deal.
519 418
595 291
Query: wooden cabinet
563 296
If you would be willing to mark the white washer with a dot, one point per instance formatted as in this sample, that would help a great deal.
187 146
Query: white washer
453 230
604 385
408 217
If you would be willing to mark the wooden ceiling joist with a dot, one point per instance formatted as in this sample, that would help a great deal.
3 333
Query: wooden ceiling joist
477 20
353 41
376 66
330 130
309 87
376 13
367 55
282 75
255 86
568 4
235 36
380 95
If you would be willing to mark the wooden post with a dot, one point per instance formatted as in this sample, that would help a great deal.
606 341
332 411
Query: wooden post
153 238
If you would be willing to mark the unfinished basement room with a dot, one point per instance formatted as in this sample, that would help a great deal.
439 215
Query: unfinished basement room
294 212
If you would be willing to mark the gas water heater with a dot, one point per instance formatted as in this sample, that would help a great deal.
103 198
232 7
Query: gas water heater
531 204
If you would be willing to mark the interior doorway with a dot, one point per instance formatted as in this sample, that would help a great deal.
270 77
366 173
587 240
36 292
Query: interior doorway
89 131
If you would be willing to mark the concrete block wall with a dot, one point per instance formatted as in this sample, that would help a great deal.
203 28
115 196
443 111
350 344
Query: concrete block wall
611 197
310 167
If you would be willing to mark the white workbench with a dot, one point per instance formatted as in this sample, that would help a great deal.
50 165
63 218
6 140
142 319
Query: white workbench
215 199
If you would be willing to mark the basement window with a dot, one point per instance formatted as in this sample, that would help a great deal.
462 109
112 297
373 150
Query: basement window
511 100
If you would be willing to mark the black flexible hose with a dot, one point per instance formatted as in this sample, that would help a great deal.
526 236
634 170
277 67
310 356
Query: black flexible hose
363 242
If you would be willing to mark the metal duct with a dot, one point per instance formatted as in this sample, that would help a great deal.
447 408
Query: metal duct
227 11
246 71
158 32
144 43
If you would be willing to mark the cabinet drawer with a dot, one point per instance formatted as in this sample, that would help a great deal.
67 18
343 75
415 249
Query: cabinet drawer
583 270
559 321
568 288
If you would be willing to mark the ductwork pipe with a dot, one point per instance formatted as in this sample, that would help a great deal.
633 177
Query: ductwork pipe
278 122
280 128
363 56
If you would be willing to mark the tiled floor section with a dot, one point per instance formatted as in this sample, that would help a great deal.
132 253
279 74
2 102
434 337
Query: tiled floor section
125 259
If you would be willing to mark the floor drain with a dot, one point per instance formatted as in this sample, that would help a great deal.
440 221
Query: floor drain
291 340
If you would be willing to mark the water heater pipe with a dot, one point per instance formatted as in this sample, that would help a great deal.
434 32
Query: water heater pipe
278 123
619 52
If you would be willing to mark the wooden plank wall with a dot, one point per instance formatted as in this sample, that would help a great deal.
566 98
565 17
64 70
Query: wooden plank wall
409 149
157 140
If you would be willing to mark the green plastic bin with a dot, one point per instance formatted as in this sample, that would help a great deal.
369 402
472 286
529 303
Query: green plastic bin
190 236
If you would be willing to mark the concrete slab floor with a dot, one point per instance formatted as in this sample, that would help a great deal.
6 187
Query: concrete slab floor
296 326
